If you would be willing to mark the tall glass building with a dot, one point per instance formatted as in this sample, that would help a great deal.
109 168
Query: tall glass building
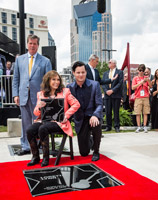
91 32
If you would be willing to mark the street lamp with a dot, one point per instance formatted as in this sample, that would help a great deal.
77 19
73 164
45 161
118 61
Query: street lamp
108 50
22 16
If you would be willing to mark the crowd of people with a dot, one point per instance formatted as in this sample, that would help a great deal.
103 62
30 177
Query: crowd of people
35 80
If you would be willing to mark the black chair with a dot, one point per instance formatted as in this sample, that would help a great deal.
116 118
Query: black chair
61 151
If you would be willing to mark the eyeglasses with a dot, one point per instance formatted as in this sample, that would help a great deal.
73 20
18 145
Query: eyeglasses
140 70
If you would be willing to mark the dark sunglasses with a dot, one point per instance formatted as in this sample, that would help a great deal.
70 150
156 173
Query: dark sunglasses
140 70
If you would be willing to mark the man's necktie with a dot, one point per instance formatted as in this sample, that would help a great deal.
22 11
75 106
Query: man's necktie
127 88
30 65
110 76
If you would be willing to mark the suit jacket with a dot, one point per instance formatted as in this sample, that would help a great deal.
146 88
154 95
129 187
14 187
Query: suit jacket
151 77
124 90
71 105
22 83
97 76
90 75
93 102
116 85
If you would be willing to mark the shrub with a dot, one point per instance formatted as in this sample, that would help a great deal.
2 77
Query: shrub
125 117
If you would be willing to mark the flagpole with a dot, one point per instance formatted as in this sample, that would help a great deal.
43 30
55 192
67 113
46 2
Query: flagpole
126 63
129 72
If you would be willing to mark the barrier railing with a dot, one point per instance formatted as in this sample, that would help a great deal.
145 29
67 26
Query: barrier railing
6 98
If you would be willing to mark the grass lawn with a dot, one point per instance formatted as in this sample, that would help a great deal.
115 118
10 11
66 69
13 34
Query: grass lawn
3 128
121 131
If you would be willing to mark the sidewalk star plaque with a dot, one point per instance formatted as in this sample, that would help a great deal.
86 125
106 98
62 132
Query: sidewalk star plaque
68 178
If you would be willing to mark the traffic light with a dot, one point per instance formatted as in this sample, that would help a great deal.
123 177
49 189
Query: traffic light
101 6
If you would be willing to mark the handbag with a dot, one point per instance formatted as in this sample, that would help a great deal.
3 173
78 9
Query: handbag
131 100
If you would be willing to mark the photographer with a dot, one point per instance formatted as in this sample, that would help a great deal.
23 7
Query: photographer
140 85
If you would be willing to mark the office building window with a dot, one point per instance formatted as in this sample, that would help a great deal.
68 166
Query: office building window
13 18
14 34
4 30
31 32
31 22
4 17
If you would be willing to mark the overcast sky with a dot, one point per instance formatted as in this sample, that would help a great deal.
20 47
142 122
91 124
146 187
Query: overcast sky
133 21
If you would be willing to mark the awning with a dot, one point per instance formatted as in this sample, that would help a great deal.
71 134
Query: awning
8 45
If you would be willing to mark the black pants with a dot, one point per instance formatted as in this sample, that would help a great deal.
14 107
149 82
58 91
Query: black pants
112 104
126 105
84 137
39 130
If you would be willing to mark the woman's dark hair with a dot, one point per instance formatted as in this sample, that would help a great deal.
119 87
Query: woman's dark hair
45 85
141 67
155 77
78 64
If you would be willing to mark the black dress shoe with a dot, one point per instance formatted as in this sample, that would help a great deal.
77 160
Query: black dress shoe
117 130
95 157
45 162
23 152
34 161
107 129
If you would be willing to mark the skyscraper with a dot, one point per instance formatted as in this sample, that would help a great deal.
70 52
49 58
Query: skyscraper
91 32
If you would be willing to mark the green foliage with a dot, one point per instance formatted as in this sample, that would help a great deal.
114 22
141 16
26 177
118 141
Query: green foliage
125 117
73 128
102 67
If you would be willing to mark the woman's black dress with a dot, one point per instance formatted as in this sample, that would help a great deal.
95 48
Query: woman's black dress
154 109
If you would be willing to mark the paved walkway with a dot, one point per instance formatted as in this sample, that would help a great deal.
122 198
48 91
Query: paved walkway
137 151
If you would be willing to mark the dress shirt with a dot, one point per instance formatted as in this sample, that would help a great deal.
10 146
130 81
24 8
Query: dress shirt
80 94
8 71
93 71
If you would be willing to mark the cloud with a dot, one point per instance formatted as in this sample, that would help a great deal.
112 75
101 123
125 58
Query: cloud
59 15
133 21
136 22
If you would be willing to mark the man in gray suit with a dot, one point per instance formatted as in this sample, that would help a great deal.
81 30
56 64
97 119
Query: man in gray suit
28 73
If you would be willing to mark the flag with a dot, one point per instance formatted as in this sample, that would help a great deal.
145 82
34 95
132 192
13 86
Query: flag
126 63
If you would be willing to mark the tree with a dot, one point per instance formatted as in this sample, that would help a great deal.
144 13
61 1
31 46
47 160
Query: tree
102 67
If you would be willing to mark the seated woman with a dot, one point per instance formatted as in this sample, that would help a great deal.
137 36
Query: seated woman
51 87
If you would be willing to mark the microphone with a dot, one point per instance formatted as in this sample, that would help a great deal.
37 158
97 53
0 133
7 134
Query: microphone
101 6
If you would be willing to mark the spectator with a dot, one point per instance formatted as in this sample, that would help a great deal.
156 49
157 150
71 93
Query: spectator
140 85
113 94
125 92
13 64
28 73
88 118
151 77
93 73
154 110
148 73
8 85
51 87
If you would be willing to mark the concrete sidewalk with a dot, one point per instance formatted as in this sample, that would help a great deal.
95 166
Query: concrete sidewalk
137 151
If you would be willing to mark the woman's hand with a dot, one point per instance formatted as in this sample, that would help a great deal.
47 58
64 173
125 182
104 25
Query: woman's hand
41 104
64 120
94 121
